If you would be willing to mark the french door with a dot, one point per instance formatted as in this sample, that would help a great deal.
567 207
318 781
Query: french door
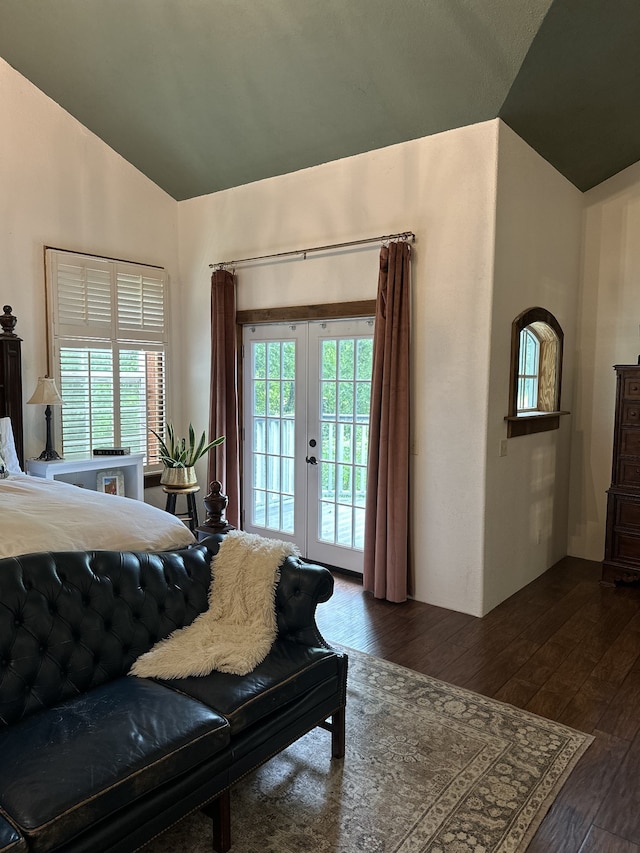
307 389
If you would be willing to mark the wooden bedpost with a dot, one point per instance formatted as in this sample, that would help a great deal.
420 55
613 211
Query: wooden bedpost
11 378
215 503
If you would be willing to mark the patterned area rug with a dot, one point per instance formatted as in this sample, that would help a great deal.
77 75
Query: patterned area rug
430 768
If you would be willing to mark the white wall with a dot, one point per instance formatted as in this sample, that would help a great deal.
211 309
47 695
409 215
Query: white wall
441 187
609 318
63 187
537 263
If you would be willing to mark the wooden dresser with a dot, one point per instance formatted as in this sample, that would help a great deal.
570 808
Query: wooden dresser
622 546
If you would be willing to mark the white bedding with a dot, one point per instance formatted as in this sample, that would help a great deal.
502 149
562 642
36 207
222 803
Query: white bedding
48 515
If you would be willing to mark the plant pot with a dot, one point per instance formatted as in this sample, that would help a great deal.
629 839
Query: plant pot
179 478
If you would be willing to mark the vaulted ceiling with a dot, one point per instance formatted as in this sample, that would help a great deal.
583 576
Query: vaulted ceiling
201 95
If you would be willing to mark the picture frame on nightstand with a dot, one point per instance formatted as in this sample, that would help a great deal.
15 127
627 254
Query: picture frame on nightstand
110 482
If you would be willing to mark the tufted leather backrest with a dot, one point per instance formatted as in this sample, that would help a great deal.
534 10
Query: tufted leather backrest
72 620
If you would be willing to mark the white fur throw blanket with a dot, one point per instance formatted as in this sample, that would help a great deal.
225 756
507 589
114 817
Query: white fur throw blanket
236 632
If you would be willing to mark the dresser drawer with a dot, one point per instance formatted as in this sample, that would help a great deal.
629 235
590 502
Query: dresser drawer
626 513
625 548
631 387
630 441
623 530
630 413
629 473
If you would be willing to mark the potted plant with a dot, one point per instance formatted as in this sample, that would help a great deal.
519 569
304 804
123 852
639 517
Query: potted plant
180 455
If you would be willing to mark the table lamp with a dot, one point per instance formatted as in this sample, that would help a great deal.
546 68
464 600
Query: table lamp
46 394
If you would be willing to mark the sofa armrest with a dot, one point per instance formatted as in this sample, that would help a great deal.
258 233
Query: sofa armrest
301 588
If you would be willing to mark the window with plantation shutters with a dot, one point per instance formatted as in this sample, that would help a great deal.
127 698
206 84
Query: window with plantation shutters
108 346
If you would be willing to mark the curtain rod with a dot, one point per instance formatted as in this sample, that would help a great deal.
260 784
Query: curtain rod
304 252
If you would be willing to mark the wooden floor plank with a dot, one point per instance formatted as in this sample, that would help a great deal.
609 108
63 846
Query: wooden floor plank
539 668
619 813
587 707
572 814
558 613
573 631
573 671
517 691
502 666
599 841
622 718
549 703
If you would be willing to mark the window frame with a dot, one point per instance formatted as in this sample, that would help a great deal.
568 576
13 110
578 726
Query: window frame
131 308
523 363
547 414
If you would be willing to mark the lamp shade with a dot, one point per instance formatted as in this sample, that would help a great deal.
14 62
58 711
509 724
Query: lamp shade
46 393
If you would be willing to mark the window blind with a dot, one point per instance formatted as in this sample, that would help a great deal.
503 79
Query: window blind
108 347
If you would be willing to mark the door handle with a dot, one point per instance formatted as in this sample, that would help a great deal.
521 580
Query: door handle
311 460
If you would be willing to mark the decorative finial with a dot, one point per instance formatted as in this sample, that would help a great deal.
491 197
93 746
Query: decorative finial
215 504
8 322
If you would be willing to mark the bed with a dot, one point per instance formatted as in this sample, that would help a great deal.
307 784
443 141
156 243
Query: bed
49 515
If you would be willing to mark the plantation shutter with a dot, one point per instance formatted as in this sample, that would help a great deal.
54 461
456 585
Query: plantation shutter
108 347
140 303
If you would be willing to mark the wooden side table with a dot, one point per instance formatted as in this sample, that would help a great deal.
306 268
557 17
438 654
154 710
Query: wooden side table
191 515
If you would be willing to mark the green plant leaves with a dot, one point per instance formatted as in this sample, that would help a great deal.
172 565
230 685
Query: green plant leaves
176 453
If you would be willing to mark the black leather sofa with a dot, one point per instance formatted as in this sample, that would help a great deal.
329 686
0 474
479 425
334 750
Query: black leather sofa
94 760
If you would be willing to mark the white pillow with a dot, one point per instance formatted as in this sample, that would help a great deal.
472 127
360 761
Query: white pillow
8 447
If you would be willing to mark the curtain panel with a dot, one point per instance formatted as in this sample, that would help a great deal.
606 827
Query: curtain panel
223 420
386 546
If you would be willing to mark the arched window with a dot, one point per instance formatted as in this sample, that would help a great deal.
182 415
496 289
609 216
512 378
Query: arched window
536 371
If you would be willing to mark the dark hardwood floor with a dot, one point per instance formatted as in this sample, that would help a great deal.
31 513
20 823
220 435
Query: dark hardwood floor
564 647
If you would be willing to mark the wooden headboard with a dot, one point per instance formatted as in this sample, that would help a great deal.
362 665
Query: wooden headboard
11 378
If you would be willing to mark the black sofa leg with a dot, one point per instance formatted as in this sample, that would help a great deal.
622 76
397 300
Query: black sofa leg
220 813
338 737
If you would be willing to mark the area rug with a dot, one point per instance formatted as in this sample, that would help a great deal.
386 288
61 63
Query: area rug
429 768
